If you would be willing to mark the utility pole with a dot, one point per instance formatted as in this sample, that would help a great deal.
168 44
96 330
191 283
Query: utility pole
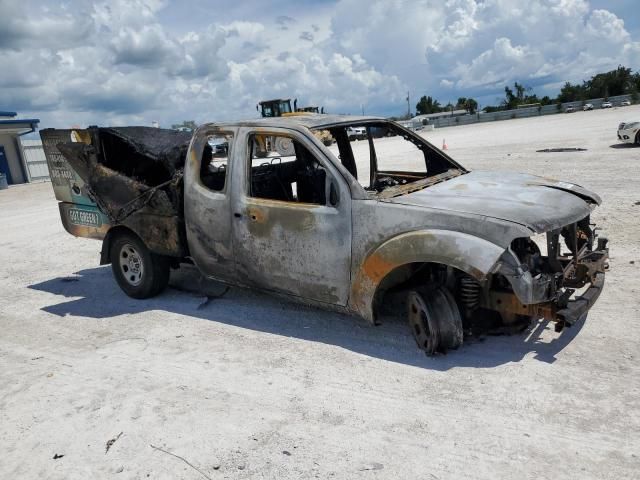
408 106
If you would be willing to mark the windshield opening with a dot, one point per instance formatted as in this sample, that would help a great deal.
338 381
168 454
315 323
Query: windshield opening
386 160
285 107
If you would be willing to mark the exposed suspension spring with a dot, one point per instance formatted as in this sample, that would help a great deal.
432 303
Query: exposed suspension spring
469 292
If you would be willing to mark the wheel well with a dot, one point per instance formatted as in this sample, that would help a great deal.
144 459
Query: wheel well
105 257
412 275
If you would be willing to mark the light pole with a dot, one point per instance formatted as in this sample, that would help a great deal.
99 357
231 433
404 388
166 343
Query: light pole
408 107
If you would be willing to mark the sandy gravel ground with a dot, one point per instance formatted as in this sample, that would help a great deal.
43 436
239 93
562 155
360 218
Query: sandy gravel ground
250 386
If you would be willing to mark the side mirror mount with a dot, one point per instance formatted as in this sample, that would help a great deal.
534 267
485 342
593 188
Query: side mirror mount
334 198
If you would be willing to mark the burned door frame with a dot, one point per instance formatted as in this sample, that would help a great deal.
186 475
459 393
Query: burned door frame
301 249
207 212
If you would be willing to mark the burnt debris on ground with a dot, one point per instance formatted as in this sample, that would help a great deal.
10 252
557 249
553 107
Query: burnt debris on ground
562 149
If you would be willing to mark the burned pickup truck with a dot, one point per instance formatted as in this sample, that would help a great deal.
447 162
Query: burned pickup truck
265 204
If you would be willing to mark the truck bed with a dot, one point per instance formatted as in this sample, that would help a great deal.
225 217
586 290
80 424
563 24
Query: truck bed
130 176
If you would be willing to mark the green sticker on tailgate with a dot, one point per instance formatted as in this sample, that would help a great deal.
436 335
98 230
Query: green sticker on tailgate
84 217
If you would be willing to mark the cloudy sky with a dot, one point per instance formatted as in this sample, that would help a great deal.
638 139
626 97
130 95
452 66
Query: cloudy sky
135 61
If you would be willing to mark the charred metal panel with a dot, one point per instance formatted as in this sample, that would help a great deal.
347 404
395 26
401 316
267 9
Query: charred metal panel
120 176
534 202
150 155
527 288
464 252
375 222
161 234
208 212
301 249
116 191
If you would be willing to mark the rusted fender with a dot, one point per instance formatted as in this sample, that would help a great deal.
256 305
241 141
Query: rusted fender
468 253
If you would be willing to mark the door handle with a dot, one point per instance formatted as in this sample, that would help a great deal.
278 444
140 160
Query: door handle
237 215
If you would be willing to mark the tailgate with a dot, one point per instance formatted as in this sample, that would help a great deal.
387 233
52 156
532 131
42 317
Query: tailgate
79 213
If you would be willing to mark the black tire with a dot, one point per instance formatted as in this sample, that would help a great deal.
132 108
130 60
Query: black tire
638 139
435 321
139 272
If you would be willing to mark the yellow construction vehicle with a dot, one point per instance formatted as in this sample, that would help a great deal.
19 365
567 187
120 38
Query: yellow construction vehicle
281 107
303 110
277 107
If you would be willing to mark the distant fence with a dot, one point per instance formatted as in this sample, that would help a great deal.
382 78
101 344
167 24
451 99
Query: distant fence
35 161
535 111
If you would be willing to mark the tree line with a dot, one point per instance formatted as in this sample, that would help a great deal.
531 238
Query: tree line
620 81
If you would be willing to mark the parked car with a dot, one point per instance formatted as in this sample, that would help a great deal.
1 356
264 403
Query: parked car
570 109
606 105
625 103
629 132
352 231
219 147
357 133
587 106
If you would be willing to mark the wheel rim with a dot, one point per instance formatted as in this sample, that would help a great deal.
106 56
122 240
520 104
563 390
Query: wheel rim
435 320
131 264
423 325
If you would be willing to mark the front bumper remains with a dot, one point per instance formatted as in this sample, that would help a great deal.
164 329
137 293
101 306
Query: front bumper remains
551 296
579 306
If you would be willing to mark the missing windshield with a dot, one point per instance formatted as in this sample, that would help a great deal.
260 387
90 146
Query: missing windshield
382 156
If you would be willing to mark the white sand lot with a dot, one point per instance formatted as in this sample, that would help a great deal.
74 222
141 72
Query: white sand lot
249 386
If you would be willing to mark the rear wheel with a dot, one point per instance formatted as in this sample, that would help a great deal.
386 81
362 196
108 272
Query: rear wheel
638 139
435 321
139 272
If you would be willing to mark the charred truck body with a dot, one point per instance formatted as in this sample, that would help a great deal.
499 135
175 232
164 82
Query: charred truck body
347 226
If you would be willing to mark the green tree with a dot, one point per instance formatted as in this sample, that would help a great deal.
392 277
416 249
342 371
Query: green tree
571 93
635 83
510 100
614 82
520 97
427 105
520 89
468 104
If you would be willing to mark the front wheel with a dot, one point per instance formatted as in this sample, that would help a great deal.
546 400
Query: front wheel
139 272
435 321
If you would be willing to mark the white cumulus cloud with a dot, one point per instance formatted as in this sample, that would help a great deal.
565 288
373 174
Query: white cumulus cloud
133 61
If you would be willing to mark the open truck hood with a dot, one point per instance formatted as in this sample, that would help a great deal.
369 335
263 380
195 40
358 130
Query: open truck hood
538 203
